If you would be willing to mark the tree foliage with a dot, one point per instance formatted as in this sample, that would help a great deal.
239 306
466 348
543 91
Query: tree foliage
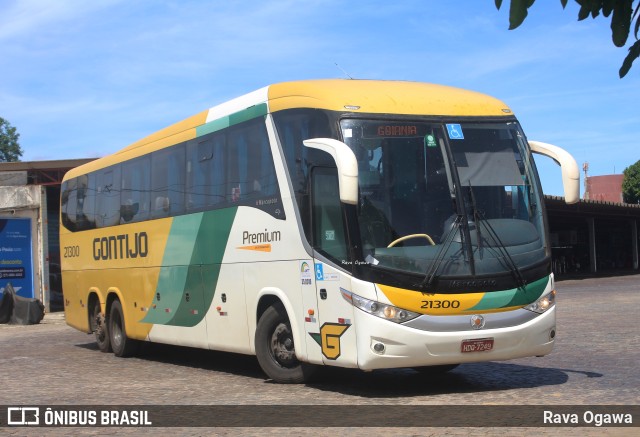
9 147
622 14
631 184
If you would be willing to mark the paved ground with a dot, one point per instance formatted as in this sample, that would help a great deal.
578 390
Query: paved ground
595 363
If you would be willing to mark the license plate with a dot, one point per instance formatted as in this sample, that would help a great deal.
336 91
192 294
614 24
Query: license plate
477 345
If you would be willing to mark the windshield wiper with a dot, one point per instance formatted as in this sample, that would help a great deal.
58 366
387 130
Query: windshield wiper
476 219
506 256
435 265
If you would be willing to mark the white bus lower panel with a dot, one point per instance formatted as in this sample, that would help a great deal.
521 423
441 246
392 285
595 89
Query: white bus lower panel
383 344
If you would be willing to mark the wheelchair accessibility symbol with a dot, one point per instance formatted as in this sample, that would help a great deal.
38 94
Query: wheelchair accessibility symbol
455 132
319 272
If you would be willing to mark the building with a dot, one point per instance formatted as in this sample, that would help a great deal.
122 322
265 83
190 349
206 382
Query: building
593 236
607 188
29 220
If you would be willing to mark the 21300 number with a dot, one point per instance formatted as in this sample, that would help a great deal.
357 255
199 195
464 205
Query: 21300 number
440 304
71 251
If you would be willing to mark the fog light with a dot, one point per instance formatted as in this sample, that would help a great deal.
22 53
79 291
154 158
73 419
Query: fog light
379 348
552 334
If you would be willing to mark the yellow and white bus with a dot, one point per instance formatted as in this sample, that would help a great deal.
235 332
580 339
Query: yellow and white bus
353 223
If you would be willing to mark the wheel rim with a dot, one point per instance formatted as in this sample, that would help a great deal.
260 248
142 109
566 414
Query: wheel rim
99 330
95 319
282 348
98 325
117 330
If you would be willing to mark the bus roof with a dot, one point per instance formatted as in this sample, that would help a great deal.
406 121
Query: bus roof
383 97
345 95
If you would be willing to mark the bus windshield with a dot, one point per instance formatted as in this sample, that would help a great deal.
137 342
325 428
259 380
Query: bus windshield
446 199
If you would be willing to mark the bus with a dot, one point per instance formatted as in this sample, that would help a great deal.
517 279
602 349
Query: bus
353 223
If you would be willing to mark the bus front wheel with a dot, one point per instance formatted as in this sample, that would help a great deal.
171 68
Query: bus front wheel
275 349
122 345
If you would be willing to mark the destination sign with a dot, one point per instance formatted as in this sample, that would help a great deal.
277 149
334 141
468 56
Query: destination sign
395 130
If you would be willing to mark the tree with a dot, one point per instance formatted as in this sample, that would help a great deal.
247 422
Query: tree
622 15
9 147
631 184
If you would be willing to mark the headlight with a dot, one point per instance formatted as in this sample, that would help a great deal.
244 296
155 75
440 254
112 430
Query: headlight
543 303
382 310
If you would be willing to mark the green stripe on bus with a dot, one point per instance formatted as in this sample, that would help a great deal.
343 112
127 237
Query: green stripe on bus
191 266
513 297
259 110
207 255
531 293
494 300
175 268
232 119
212 126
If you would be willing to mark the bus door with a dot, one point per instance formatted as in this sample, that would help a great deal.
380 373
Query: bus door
336 335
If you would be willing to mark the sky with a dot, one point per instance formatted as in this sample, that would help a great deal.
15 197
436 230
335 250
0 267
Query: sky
83 79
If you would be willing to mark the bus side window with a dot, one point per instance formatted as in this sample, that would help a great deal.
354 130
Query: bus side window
250 164
328 227
237 147
168 182
108 197
85 211
206 169
262 164
218 181
136 190
69 203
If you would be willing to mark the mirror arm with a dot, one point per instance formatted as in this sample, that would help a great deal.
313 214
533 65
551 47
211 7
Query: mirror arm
568 165
346 163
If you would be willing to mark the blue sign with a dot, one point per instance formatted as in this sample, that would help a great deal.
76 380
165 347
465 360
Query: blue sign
455 132
16 260
319 272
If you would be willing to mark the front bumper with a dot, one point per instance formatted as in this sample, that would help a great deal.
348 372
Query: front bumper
403 346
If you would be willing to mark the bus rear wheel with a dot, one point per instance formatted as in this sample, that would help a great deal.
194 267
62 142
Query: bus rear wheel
98 325
275 349
122 345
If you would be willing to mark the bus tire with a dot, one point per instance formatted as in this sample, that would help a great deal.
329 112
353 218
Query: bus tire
122 345
99 327
275 349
